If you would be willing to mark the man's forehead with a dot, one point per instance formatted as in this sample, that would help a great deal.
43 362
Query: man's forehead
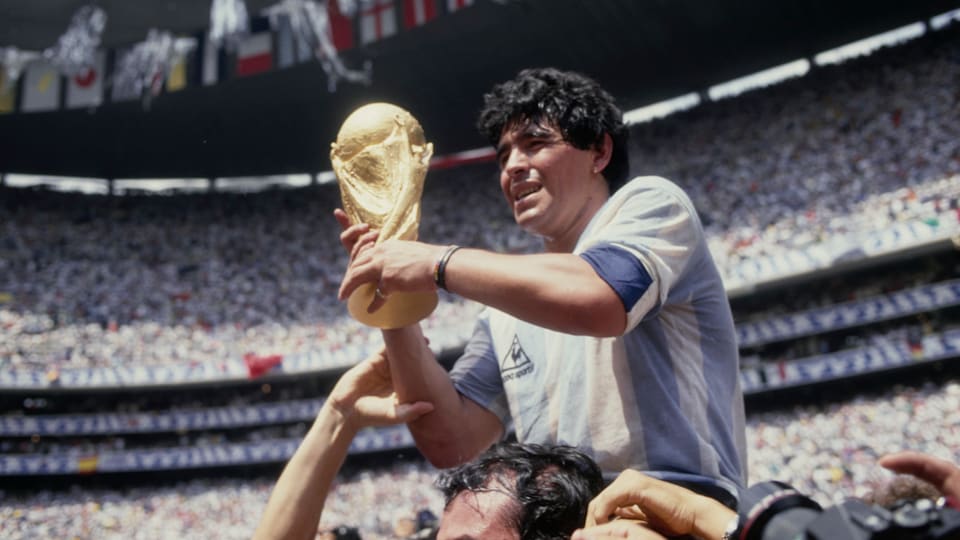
483 513
526 127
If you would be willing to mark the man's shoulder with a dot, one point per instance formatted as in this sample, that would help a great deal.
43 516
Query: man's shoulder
646 192
647 183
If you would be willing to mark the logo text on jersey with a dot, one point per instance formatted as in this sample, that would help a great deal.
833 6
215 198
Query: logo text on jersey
515 363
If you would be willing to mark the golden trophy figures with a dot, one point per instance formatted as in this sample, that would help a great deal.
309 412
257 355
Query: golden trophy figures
381 158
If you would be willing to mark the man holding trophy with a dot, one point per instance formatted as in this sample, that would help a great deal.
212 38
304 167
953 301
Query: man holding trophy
618 339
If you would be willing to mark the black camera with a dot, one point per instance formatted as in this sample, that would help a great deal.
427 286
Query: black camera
776 511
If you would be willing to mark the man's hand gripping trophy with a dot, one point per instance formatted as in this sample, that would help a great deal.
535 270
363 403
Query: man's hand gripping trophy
381 158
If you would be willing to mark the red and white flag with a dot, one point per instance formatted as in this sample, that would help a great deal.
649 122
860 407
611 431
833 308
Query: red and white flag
258 366
377 21
454 5
417 12
341 26
255 54
85 89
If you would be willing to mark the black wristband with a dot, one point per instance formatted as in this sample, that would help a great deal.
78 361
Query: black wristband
439 270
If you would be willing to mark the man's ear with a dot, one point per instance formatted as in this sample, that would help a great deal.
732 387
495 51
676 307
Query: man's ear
602 153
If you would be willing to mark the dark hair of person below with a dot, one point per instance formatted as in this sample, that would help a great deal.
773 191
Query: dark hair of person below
574 103
552 485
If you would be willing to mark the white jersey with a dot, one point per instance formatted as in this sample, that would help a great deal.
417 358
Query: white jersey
665 396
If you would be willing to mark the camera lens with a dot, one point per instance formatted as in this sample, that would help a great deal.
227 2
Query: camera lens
910 517
775 511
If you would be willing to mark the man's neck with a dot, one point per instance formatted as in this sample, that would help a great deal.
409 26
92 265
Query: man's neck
566 242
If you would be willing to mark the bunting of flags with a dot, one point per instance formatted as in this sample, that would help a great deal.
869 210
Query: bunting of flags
271 45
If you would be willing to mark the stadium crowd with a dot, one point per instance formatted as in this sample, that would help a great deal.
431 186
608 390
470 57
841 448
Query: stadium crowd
92 281
95 281
845 150
827 451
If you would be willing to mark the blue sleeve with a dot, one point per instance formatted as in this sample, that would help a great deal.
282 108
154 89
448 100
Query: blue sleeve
476 374
621 270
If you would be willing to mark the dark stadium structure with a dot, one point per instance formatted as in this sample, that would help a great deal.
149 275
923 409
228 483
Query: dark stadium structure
283 121
865 318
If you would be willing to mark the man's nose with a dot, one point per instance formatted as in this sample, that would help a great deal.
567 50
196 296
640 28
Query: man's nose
515 164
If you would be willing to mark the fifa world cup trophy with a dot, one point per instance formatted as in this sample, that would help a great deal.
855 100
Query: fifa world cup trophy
381 158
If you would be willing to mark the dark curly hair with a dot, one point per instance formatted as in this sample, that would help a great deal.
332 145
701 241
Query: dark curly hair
551 485
574 103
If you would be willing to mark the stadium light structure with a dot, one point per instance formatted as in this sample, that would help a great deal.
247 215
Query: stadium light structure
868 45
161 185
661 108
250 184
939 22
92 186
760 79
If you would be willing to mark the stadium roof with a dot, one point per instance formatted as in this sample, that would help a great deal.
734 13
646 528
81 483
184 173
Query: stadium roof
283 121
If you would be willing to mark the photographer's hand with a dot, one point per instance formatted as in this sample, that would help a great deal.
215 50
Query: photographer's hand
619 528
667 508
944 475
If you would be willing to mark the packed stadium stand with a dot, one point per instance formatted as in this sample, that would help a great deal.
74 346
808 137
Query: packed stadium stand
197 333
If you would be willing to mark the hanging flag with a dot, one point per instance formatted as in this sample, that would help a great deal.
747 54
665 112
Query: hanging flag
177 74
260 365
208 54
255 54
8 97
85 89
377 21
341 26
126 84
286 45
456 5
417 12
41 88
87 464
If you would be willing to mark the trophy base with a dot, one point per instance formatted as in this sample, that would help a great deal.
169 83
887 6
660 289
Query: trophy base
400 309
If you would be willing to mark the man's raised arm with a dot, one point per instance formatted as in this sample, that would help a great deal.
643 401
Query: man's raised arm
458 429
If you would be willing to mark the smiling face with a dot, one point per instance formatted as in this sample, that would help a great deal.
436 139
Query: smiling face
553 188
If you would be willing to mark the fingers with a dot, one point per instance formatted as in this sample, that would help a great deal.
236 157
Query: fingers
378 362
352 236
342 218
408 412
939 472
626 490
359 272
630 512
364 241
379 299
617 529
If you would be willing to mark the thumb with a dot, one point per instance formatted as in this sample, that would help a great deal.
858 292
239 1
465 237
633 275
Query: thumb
408 412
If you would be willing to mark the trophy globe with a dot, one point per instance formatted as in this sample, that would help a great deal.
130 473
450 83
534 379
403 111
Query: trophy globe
381 159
